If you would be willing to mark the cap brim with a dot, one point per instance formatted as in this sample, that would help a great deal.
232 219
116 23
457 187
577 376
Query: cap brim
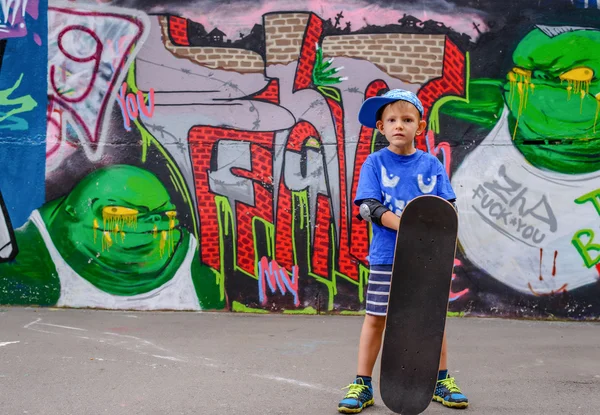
367 115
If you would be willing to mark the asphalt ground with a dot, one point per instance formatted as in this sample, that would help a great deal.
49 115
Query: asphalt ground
60 361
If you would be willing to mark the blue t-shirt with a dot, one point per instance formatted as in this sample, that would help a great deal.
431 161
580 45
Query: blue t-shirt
395 180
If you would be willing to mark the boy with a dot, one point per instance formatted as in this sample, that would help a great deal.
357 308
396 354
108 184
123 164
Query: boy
389 179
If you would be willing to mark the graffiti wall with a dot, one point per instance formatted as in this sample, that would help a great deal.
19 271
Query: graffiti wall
196 155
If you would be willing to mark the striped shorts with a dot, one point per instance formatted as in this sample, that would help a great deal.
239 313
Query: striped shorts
378 289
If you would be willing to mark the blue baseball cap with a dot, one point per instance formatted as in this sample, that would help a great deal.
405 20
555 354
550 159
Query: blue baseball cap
367 115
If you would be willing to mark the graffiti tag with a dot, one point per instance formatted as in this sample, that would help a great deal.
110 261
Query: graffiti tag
133 106
505 201
586 248
276 277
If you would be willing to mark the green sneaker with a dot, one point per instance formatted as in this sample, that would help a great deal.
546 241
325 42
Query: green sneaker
359 396
448 394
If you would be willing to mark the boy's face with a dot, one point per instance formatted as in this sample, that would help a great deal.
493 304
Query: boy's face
400 123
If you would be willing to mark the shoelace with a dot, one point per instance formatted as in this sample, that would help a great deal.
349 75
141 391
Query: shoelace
450 384
354 390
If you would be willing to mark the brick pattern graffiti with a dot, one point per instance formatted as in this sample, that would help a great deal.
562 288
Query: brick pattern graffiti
211 161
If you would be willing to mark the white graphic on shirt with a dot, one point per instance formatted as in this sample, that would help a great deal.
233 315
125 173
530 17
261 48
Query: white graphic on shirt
393 204
399 206
427 188
391 181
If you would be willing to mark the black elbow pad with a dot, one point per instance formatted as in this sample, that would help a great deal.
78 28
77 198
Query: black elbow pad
372 210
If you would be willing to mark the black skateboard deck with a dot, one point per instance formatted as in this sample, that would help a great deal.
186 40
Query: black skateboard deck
418 304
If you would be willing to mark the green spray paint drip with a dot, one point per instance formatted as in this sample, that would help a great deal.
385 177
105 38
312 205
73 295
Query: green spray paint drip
306 311
224 218
300 211
270 240
148 139
360 283
226 223
300 207
352 313
434 115
363 273
238 307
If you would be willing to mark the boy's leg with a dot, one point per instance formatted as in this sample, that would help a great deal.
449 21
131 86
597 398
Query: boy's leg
444 355
370 344
360 393
446 391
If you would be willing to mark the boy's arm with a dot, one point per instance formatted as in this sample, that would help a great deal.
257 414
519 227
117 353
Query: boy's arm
368 198
390 220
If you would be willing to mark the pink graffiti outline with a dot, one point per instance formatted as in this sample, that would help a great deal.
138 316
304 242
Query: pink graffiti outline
96 56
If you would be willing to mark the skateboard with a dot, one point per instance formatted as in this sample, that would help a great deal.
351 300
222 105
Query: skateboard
418 304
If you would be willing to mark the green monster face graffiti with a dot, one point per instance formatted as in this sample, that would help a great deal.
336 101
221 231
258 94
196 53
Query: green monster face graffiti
118 229
553 93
